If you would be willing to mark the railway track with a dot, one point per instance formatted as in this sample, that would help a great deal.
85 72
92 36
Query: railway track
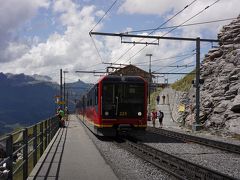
178 167
186 137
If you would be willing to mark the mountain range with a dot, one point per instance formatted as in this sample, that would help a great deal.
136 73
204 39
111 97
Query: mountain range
25 100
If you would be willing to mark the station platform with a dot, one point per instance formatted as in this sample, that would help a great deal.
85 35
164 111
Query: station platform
72 155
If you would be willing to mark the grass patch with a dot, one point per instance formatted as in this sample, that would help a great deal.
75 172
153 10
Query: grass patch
185 83
153 97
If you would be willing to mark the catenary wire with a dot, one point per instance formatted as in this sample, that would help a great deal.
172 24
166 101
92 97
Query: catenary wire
104 15
157 28
192 24
175 28
96 25
177 61
96 49
166 58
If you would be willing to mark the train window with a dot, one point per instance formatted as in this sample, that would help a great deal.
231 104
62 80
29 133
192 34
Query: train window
132 90
109 93
96 95
122 99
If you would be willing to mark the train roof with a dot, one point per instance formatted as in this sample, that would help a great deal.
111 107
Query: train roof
114 78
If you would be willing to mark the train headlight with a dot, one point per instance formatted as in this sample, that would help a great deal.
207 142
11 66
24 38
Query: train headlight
139 113
106 113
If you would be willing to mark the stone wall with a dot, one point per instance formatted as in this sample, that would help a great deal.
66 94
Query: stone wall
220 93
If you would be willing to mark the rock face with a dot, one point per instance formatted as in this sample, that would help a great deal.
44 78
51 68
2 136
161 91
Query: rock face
220 93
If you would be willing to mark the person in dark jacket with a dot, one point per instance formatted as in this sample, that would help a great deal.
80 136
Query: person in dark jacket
160 118
158 99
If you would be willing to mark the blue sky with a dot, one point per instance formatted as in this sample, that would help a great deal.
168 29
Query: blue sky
42 36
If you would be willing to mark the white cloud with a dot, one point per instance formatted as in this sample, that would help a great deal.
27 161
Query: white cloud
13 13
154 7
167 8
72 50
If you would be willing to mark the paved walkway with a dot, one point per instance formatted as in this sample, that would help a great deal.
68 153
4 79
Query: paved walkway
72 155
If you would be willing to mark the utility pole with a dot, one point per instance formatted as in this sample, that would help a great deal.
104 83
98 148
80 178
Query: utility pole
67 101
197 126
149 79
64 88
61 88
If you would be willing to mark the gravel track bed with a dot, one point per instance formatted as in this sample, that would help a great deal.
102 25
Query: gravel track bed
126 165
207 135
228 163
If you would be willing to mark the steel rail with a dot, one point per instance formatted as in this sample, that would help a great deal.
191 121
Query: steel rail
174 165
200 140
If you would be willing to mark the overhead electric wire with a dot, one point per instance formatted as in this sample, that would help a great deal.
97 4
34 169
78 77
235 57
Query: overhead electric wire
176 62
158 27
177 69
192 17
176 66
176 27
104 15
97 24
97 49
192 24
166 58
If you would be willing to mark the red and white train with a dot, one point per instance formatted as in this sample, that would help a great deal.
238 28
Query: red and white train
115 103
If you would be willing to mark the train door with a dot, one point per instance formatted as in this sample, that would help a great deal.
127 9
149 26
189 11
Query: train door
109 103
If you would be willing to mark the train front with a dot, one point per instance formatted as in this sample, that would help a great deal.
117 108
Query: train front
123 103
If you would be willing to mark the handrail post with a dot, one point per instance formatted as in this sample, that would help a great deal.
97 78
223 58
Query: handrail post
35 145
41 138
50 128
56 124
9 153
25 153
45 134
49 131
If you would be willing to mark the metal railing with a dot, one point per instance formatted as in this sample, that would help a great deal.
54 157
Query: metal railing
22 149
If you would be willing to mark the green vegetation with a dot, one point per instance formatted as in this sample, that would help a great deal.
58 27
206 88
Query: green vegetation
153 97
185 83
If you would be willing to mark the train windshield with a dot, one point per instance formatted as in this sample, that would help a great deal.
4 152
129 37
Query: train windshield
122 100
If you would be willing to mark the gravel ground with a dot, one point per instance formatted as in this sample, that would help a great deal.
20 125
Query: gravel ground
126 165
227 163
208 135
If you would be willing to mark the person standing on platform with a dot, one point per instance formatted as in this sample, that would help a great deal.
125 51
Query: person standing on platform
158 99
60 114
160 118
163 98
66 113
154 117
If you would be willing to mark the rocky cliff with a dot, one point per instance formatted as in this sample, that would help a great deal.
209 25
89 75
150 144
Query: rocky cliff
220 93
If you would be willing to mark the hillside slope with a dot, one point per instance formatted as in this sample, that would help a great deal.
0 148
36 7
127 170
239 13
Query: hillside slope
25 100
